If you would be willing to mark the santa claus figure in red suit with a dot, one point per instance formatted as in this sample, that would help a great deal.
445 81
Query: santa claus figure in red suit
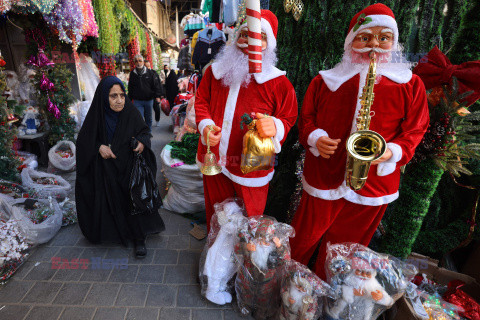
226 92
329 210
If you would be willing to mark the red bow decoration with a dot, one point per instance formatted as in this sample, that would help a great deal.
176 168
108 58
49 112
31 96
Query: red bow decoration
435 69
459 298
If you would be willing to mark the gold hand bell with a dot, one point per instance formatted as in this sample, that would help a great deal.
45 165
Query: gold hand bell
210 165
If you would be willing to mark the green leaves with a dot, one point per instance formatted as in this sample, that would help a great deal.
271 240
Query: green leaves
362 20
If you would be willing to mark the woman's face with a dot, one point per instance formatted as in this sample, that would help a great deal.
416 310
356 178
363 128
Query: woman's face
116 97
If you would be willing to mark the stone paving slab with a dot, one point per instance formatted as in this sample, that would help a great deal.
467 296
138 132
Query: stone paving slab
162 286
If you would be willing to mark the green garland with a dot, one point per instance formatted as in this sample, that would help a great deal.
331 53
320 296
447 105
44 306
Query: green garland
405 216
8 161
62 128
447 224
108 27
186 150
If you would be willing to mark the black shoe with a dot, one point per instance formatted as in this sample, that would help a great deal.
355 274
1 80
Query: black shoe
140 249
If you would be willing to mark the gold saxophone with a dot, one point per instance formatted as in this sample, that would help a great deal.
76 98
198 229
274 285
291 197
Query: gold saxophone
364 145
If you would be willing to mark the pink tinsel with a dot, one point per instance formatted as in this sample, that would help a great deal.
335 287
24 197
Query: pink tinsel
40 60
90 27
46 84
53 109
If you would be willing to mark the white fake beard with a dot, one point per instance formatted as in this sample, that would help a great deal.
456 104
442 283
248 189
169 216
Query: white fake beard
233 64
261 254
351 59
368 285
296 295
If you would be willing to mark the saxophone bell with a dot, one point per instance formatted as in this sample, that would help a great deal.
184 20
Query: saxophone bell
363 147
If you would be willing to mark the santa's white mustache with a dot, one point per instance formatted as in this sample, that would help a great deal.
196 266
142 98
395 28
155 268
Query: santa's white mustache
378 50
242 45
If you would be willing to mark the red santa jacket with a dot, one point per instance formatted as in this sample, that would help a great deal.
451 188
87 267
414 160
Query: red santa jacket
269 93
400 116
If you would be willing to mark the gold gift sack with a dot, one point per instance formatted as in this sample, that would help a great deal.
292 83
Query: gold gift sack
258 153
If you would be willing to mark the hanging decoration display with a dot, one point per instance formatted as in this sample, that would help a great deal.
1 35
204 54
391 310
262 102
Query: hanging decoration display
90 27
53 83
149 48
5 5
142 41
108 29
154 54
106 67
8 163
67 19
41 62
133 50
32 6
296 6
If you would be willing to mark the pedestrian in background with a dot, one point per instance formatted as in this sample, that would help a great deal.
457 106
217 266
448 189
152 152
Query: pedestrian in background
143 88
156 103
171 85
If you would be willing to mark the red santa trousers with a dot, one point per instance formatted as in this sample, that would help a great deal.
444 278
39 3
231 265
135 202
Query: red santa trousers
218 188
334 220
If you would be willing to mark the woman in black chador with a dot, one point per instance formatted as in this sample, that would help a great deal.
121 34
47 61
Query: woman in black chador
105 159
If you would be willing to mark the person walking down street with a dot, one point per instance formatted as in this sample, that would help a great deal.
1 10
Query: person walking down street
143 89
171 85
105 158
156 103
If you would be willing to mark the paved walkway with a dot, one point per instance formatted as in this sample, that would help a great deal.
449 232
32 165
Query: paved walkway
162 286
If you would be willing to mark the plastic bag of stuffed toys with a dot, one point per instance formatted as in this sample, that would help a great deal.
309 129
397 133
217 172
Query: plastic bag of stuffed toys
217 263
367 283
303 294
262 251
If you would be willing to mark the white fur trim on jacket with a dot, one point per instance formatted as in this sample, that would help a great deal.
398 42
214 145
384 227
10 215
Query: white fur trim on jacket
228 119
279 135
337 76
202 125
247 182
378 20
269 74
260 78
387 167
312 140
345 192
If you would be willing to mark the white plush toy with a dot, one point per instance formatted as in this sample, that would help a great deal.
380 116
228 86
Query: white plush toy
26 90
30 120
219 263
12 85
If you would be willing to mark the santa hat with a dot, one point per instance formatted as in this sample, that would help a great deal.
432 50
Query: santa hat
376 15
269 24
361 264
265 228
